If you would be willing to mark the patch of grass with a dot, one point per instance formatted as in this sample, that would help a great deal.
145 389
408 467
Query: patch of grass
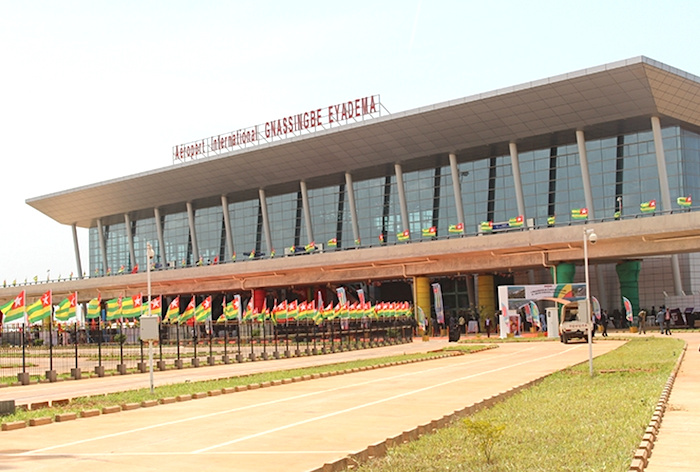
137 396
567 422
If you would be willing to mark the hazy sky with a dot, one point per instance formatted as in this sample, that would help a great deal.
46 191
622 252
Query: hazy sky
93 90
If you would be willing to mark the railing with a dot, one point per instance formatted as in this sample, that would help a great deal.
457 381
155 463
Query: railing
36 354
245 256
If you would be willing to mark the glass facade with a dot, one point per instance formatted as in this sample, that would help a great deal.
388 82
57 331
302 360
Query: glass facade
623 172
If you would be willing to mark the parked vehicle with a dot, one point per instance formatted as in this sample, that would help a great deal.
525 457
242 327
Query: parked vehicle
575 321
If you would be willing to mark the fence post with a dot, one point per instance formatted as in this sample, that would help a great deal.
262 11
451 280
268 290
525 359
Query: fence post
99 368
75 372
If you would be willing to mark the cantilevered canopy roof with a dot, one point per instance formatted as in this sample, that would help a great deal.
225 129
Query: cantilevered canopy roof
603 101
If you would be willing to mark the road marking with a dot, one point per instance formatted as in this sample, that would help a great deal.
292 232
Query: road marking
281 400
365 405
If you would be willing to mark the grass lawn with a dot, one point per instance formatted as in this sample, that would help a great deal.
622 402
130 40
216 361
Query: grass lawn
568 422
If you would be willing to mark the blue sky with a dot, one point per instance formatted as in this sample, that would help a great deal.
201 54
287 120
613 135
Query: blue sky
93 90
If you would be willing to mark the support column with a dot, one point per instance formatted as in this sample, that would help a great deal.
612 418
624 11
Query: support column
585 175
353 209
487 294
161 240
227 225
193 233
103 248
563 273
402 196
266 221
517 182
130 240
665 195
456 188
421 298
76 248
307 212
471 293
628 274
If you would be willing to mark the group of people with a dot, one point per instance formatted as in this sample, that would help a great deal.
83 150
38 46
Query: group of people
662 318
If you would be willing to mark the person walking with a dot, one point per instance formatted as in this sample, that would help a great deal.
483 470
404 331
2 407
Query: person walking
604 323
642 322
667 321
487 323
660 319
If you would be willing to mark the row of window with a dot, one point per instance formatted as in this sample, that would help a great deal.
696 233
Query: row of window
623 172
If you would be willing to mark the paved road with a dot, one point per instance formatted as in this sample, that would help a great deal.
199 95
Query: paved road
295 427
23 395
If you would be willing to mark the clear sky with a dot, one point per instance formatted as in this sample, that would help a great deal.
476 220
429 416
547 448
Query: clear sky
94 90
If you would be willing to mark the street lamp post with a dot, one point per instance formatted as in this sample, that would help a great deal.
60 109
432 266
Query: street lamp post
588 235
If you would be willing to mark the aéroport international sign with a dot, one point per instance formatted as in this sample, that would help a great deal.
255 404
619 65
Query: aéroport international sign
285 127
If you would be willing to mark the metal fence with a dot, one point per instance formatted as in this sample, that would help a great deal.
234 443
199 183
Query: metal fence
46 354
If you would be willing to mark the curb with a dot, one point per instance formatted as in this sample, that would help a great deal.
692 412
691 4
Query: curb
639 462
226 390
643 451
132 370
380 449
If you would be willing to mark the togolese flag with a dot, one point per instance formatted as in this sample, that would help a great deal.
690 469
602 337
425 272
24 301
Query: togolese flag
157 306
579 213
66 309
333 242
189 311
429 232
93 308
648 207
203 310
40 309
486 226
131 306
13 310
403 236
551 220
516 222
114 309
232 309
685 202
173 313
458 228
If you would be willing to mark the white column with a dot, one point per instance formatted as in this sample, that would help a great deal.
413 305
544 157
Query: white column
353 209
585 175
76 248
103 248
266 221
307 211
517 182
402 196
193 233
227 225
130 240
665 195
456 188
161 239
602 287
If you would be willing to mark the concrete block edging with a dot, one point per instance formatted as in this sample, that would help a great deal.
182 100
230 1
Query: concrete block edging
180 398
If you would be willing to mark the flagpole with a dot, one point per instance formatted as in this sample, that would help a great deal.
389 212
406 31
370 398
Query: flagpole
149 255
51 336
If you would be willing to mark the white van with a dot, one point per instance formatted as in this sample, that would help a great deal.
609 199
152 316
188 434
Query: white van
574 321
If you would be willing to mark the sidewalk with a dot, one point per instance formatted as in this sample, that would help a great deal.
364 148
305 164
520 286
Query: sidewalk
675 448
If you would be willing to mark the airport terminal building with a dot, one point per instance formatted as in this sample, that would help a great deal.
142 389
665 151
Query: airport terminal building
472 193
